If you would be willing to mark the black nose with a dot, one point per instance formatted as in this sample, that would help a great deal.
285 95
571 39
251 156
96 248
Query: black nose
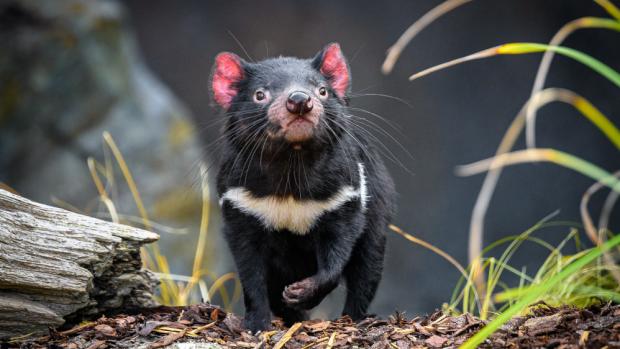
299 103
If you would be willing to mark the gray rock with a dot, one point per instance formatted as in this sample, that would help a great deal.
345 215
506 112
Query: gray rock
70 70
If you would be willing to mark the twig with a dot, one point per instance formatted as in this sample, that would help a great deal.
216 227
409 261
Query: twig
332 338
287 336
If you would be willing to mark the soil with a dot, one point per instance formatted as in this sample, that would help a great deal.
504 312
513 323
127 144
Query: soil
546 327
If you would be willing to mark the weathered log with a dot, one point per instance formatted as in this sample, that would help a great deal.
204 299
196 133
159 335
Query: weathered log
57 265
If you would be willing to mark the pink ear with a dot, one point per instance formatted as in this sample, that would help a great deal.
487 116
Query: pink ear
226 74
334 67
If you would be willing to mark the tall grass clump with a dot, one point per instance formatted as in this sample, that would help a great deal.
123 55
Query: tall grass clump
200 284
578 279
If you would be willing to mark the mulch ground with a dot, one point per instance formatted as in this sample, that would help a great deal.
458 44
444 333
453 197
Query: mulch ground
547 327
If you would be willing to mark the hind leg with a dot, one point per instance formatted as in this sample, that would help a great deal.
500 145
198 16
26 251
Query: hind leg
363 274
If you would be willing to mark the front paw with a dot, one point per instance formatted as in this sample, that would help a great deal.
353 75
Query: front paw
257 322
301 293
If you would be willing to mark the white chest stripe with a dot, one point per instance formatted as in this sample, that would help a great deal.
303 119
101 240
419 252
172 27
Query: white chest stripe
363 191
298 216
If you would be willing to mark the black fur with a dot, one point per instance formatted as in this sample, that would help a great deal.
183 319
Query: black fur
282 272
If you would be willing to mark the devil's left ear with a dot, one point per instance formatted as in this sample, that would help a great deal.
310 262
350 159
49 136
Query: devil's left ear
332 64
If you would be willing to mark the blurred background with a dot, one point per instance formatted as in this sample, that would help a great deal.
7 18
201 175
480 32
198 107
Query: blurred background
70 70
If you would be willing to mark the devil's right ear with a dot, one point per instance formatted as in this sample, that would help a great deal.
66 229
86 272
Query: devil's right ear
227 72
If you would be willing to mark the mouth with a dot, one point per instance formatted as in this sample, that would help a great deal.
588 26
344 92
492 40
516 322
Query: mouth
299 129
299 120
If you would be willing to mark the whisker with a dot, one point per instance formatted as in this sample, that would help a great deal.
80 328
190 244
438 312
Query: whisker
336 138
398 99
240 45
380 129
251 155
388 122
385 151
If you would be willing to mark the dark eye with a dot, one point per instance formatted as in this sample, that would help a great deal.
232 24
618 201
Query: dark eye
260 95
323 91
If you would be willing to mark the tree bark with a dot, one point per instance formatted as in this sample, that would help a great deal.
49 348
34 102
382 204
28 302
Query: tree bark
57 265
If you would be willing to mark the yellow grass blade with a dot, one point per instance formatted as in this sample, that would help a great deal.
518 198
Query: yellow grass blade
169 290
490 52
204 221
545 63
597 237
103 195
202 237
608 206
538 290
394 52
433 248
128 178
518 48
220 282
543 155
610 8
476 227
598 119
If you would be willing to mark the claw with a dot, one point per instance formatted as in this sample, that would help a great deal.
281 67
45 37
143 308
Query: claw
299 292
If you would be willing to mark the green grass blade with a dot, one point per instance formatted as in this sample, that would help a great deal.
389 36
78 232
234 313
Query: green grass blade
543 155
545 64
591 62
536 292
586 291
519 48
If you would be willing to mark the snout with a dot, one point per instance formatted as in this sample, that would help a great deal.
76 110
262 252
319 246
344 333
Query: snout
299 103
296 115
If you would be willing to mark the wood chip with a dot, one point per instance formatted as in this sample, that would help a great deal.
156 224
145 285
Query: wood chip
332 338
318 327
542 325
436 341
201 328
105 330
315 343
583 338
287 336
166 341
96 345
573 328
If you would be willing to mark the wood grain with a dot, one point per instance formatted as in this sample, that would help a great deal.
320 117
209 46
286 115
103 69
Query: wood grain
56 265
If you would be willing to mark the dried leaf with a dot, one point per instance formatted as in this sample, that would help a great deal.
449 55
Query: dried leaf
541 325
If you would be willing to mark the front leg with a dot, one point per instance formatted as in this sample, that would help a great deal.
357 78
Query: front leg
248 252
336 237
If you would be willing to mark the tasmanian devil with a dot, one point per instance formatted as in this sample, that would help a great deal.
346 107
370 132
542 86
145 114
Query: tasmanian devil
305 197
